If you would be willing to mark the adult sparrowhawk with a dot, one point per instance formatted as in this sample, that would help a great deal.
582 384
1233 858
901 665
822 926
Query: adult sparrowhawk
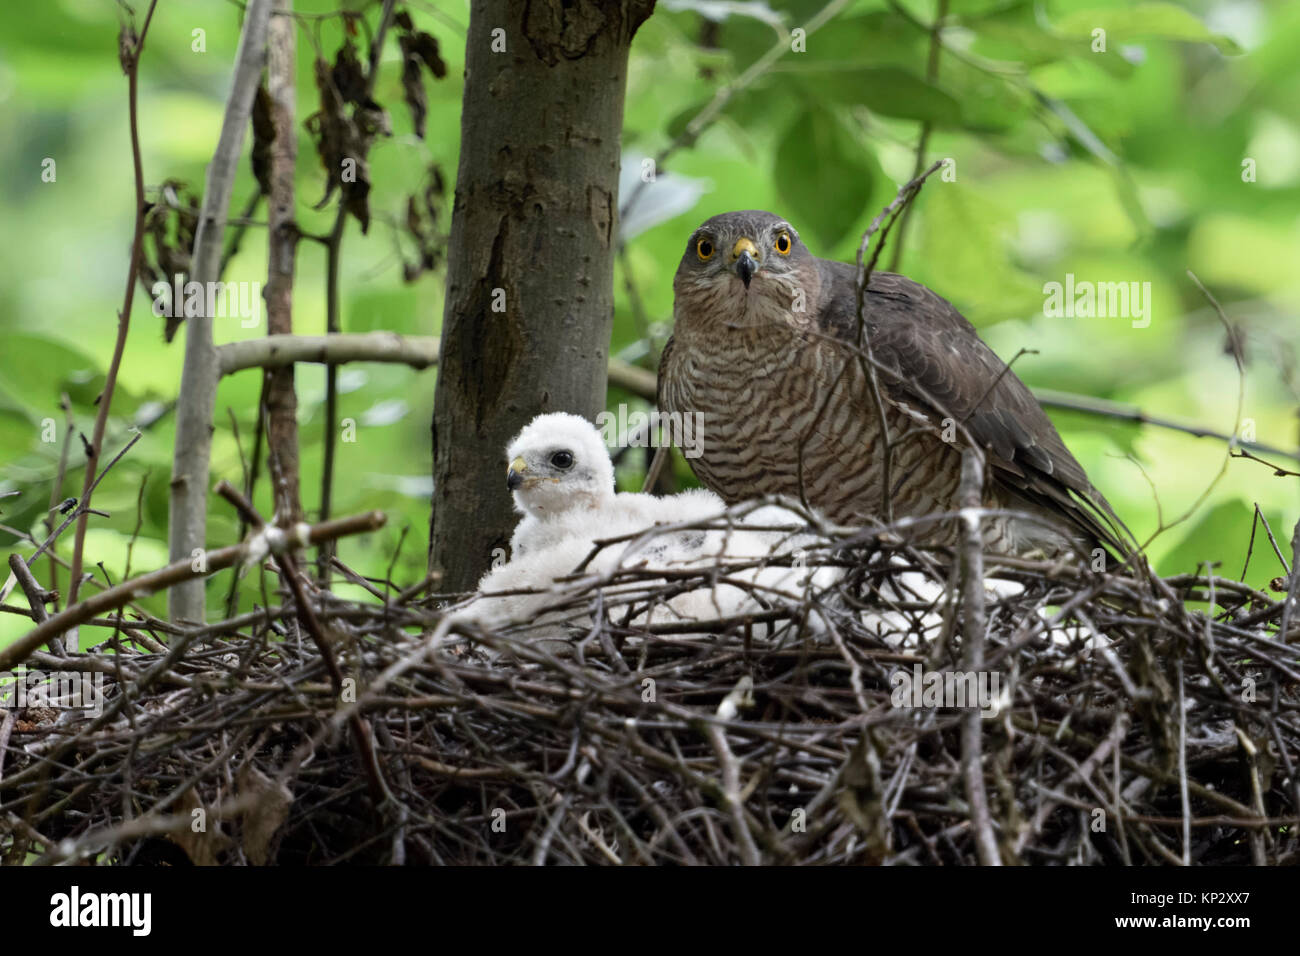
765 347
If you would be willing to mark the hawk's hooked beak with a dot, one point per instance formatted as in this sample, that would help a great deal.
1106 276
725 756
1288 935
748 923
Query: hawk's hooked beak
515 476
745 254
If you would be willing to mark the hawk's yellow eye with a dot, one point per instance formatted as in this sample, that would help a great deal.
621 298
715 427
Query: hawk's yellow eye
704 249
783 243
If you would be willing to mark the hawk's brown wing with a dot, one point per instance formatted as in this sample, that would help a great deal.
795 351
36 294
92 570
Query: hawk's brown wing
663 371
942 367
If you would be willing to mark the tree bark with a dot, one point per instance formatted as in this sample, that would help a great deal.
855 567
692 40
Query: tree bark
187 528
529 303
281 399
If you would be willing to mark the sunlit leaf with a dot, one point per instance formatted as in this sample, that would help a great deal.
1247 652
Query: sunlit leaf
36 369
1165 20
1222 534
888 90
824 174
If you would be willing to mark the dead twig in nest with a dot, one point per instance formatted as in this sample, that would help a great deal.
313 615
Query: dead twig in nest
817 731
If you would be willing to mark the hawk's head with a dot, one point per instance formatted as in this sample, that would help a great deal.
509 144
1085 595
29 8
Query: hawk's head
558 462
744 269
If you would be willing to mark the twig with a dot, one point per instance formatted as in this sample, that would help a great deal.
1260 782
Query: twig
333 325
639 381
191 460
1101 408
56 489
863 339
131 47
731 798
656 465
1278 471
1182 766
167 577
278 351
1081 772
713 109
36 596
241 224
81 510
1236 427
931 75
972 587
1289 605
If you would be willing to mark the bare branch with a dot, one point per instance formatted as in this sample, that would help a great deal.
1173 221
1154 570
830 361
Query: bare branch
276 351
194 408
972 591
167 577
132 47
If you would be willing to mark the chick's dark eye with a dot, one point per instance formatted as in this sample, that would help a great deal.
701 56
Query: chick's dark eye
783 243
562 459
704 249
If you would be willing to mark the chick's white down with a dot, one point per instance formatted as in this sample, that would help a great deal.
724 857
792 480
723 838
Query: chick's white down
754 552
563 486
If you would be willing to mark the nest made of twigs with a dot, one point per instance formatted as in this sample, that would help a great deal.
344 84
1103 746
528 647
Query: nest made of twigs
1131 729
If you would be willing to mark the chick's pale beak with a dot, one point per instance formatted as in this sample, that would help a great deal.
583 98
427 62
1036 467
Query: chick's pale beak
745 255
515 476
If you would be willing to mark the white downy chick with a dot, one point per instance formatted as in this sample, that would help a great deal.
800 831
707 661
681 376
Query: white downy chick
769 533
562 481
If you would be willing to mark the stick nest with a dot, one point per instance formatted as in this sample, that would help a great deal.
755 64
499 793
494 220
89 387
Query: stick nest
755 740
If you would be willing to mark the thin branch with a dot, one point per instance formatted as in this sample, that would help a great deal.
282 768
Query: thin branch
974 620
1293 588
888 216
632 378
36 596
1102 408
170 576
277 351
1182 767
333 324
1236 424
1278 471
191 461
713 109
131 47
931 75
241 224
56 489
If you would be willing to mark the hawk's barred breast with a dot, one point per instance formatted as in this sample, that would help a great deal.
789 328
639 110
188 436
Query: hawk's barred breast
764 348
794 393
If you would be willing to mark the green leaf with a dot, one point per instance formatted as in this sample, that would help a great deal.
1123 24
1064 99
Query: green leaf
1222 534
961 238
824 174
36 369
1145 20
17 436
976 9
888 90
988 103
1030 44
878 38
677 125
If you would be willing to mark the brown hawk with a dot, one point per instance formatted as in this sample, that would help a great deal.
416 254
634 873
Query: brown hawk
764 347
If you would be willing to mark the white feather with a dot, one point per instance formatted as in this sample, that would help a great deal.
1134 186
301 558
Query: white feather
566 512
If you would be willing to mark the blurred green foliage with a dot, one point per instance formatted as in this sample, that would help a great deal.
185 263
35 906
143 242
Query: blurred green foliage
1176 147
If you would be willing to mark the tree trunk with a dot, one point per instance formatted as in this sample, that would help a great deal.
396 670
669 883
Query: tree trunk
530 300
